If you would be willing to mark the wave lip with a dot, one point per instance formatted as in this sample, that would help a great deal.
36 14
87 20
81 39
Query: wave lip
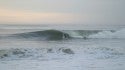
43 35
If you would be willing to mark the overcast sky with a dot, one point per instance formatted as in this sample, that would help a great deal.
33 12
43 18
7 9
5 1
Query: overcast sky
62 12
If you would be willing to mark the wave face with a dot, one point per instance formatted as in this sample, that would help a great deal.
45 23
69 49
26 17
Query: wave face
43 35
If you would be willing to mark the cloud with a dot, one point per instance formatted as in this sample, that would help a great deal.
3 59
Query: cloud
63 11
9 15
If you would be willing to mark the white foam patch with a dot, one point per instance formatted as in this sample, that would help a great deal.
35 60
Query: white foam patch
109 34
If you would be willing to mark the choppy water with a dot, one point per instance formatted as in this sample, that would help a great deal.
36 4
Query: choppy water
84 50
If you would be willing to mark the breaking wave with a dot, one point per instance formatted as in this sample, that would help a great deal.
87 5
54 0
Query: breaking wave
108 34
68 34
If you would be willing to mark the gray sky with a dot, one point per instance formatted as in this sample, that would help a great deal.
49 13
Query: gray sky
62 12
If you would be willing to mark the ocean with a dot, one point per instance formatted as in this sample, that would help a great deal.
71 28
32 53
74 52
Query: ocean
44 47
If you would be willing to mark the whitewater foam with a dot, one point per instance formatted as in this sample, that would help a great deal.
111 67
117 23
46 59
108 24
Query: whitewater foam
31 53
109 34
